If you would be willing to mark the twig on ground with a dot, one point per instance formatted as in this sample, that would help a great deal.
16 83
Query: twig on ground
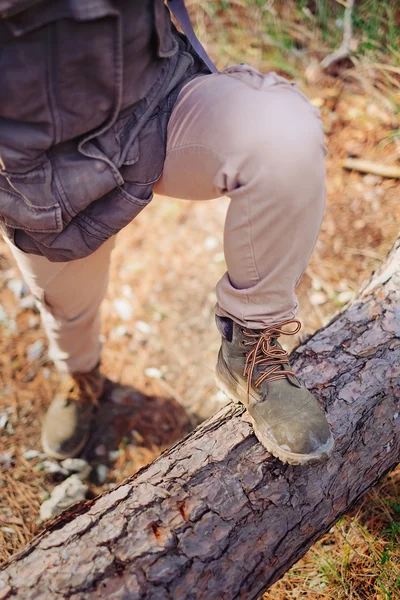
344 49
367 166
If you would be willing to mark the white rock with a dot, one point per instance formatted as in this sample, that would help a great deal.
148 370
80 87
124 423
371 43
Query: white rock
30 454
33 321
210 243
120 331
372 179
143 327
50 467
6 461
7 530
123 308
113 455
77 465
28 303
35 351
345 297
63 496
318 298
153 373
3 421
17 287
127 291
101 450
101 472
317 101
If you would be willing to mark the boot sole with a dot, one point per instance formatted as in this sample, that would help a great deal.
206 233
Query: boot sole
270 445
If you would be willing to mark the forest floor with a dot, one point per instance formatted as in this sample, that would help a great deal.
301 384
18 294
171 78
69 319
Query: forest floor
160 345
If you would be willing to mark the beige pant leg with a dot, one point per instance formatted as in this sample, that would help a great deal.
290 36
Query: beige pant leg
69 295
258 140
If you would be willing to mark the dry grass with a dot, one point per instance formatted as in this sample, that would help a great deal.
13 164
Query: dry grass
167 263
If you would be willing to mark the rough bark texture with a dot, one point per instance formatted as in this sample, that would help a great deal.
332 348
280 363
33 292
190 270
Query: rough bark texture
215 516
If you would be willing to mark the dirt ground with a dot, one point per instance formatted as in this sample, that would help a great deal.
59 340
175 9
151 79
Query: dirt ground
160 341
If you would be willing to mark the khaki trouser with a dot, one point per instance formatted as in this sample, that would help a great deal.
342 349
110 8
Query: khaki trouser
252 137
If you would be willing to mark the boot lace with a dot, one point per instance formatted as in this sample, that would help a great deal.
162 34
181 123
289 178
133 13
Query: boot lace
267 354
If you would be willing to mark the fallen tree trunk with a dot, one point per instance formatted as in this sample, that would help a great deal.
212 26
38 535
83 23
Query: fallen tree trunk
215 516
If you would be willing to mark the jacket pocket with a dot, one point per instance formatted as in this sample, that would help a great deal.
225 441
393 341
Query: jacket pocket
16 208
149 149
167 44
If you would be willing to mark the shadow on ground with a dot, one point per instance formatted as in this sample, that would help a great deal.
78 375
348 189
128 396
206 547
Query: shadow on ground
131 428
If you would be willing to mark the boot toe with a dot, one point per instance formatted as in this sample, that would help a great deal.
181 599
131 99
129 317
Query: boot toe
301 432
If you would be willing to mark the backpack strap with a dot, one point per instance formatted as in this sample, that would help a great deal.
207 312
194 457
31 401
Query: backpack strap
181 14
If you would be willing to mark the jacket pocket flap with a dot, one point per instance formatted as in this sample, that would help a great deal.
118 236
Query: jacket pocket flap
30 17
20 214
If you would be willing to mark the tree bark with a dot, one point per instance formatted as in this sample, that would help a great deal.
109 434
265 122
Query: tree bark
216 516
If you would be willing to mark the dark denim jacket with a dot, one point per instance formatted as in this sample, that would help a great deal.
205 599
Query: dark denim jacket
86 89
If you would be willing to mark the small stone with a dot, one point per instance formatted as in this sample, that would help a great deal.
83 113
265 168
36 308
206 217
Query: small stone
3 421
33 321
318 102
28 303
153 372
31 454
63 496
318 298
100 474
127 291
7 530
143 327
120 331
113 455
50 467
101 450
6 461
123 308
210 243
345 297
372 179
18 288
35 351
77 465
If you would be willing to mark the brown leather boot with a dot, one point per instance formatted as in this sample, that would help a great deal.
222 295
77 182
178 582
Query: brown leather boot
67 423
254 369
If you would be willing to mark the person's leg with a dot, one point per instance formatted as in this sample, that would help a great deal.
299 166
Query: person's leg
257 139
68 296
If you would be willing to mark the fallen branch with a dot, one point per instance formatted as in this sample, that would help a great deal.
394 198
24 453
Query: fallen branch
345 47
216 517
367 166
